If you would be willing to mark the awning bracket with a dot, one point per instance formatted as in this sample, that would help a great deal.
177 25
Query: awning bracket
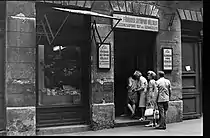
110 31
95 29
93 33
94 23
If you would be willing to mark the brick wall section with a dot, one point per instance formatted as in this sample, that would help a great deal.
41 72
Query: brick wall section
20 68
102 114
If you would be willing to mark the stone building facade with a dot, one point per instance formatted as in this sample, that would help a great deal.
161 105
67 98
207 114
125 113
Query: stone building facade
20 69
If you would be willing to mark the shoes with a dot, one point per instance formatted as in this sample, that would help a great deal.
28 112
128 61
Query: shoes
141 119
159 127
149 125
155 125
133 115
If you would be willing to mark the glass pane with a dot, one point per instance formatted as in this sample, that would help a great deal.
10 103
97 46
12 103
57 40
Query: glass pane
62 76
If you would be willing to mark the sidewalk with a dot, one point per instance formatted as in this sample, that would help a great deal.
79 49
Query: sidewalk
192 127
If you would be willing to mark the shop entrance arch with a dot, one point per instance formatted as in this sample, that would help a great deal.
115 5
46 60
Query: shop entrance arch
134 50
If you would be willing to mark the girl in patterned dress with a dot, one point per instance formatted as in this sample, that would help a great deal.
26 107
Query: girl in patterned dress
152 91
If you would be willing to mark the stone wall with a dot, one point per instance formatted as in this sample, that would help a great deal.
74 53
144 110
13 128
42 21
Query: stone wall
170 37
102 114
20 68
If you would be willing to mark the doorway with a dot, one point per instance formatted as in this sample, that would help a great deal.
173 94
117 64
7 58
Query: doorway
63 67
134 50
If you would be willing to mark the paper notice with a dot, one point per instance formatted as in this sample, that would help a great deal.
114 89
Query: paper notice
187 68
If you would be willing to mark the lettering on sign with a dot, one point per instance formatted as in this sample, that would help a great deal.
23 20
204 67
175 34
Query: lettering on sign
167 59
104 61
135 22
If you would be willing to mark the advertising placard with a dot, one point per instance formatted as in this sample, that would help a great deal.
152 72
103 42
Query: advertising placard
167 59
104 61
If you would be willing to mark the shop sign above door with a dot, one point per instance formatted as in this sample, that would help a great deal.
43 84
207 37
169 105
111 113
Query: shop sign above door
136 22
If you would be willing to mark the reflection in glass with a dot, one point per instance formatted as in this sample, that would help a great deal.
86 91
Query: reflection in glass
62 75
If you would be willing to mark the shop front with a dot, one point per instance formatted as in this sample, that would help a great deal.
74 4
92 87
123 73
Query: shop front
66 63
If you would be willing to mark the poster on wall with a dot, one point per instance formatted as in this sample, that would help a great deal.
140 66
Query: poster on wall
104 56
167 59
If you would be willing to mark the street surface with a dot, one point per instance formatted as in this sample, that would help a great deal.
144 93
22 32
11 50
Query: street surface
192 127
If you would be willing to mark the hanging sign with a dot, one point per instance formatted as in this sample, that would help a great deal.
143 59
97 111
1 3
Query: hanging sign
167 59
136 22
104 60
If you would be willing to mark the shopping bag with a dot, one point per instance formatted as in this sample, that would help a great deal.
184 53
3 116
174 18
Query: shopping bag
148 112
156 114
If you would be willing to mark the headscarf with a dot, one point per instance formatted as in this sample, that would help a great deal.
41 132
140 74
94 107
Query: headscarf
137 73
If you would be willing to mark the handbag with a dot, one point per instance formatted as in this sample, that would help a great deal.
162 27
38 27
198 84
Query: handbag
149 112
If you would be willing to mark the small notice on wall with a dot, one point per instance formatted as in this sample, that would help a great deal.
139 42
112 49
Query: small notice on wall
104 61
187 68
167 59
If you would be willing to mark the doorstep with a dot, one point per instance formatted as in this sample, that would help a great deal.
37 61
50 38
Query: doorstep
62 130
126 121
119 122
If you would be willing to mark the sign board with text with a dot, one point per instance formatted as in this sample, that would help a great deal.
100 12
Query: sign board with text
136 22
167 59
104 57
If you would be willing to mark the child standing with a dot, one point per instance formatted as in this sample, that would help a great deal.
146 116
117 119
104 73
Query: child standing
152 91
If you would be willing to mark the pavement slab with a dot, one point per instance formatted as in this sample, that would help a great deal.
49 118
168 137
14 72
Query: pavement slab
193 127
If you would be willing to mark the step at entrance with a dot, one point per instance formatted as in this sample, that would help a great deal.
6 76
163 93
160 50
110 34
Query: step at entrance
125 121
62 129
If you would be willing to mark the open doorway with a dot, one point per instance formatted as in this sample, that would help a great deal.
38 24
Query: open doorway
134 50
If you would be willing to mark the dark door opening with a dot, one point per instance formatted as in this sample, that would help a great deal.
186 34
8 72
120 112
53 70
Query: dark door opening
63 67
134 50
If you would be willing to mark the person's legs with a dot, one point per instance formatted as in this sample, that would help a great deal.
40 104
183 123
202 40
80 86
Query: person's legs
165 106
142 110
130 108
161 112
162 107
134 108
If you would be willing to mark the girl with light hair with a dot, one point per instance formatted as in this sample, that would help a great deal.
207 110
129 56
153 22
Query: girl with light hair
141 89
152 91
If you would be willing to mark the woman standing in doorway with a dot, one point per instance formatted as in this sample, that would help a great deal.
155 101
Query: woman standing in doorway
132 96
141 83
